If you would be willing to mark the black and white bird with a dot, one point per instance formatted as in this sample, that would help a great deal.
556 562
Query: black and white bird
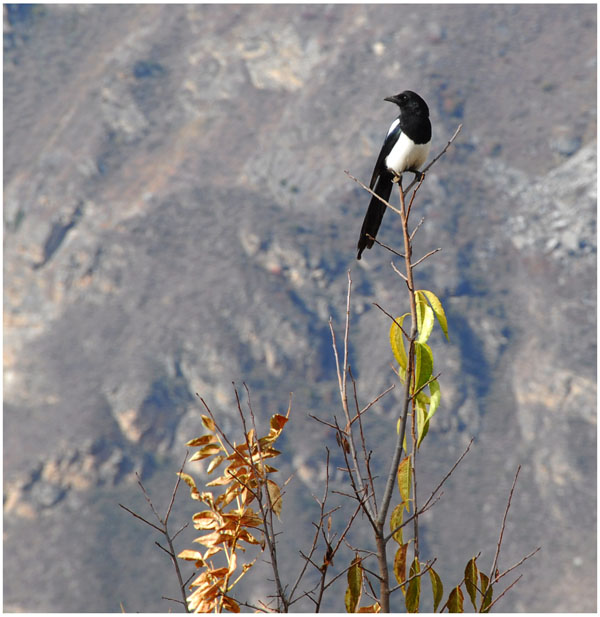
405 148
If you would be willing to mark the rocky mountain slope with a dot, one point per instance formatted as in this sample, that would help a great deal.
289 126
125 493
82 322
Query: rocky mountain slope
176 217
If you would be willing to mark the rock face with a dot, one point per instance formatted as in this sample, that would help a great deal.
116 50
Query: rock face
176 218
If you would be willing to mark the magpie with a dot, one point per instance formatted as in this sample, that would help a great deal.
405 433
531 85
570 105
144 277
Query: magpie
405 148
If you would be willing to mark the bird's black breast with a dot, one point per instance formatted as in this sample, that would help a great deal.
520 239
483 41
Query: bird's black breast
416 126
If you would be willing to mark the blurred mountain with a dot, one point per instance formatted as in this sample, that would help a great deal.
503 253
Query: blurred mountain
176 217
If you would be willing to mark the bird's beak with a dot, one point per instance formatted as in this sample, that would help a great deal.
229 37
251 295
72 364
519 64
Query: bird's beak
391 99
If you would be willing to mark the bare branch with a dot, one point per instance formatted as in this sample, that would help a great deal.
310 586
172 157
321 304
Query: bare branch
175 490
425 257
375 400
385 246
502 527
502 594
416 393
364 186
141 518
436 158
412 235
392 318
539 548
403 276
460 458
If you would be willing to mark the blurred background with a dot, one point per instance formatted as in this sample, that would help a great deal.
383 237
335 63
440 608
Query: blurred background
177 218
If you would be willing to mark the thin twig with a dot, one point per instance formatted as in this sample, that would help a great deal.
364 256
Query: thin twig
412 235
392 318
425 257
419 390
164 529
426 506
509 587
428 567
267 516
318 526
456 464
410 203
497 555
403 276
141 518
503 574
162 548
385 246
364 443
175 489
364 186
342 373
375 400
436 158
171 599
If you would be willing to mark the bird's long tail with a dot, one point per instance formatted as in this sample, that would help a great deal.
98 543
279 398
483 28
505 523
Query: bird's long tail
375 213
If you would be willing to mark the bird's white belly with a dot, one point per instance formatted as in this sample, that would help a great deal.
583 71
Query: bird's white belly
406 155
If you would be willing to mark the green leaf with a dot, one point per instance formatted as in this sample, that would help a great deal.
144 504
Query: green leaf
404 481
395 521
436 397
423 398
425 321
422 422
471 572
487 592
455 601
397 341
400 564
424 416
353 591
438 309
423 364
414 588
436 587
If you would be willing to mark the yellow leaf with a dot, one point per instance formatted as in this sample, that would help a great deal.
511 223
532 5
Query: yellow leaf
404 481
208 423
278 422
206 520
232 563
374 608
215 463
231 605
354 590
205 452
400 564
397 341
437 307
247 537
213 550
188 480
201 441
191 555
396 521
220 481
274 497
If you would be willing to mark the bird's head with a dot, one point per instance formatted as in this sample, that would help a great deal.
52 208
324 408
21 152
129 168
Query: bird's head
409 100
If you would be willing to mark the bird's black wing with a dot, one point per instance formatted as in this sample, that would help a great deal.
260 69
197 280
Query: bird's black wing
388 144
